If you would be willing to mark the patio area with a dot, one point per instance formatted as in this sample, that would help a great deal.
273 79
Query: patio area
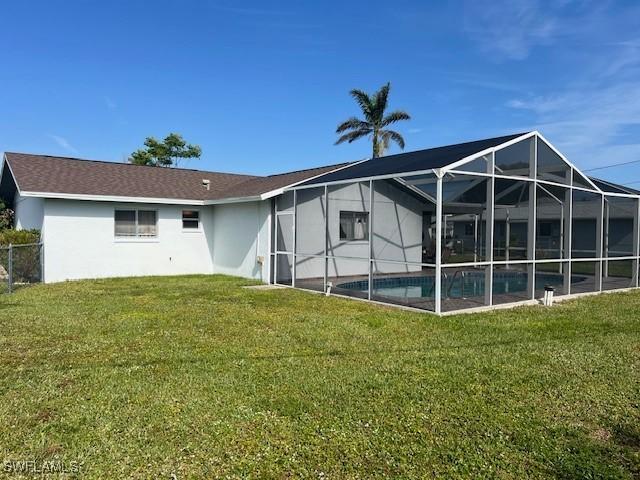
482 223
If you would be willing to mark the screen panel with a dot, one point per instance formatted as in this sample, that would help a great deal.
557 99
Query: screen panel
511 219
284 269
620 225
552 221
310 273
348 276
554 275
586 218
404 220
464 219
584 277
310 221
551 167
463 288
516 159
347 220
512 283
409 285
618 274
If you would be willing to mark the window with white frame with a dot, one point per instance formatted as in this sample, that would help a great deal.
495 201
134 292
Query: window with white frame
354 226
190 219
136 223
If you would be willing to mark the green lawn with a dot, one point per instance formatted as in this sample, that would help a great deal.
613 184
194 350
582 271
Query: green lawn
198 377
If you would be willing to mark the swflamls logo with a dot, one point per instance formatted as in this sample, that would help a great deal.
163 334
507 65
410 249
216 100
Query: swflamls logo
40 467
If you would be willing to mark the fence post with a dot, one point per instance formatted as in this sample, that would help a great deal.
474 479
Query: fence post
10 272
41 260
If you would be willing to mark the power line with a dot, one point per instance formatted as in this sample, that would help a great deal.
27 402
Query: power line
610 166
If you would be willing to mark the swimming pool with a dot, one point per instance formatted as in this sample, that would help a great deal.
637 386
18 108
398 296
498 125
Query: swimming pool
469 284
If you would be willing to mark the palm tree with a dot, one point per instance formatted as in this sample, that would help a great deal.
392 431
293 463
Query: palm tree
374 123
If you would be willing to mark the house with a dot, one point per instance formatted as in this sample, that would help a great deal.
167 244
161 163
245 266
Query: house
104 219
480 223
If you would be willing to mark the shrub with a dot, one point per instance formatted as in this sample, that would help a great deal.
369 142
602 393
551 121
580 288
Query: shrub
19 237
6 216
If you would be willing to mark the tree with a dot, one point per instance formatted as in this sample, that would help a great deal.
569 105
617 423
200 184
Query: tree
374 123
166 153
6 216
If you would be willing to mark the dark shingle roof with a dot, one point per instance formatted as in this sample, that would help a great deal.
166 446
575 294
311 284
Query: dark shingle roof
258 185
607 186
413 161
61 175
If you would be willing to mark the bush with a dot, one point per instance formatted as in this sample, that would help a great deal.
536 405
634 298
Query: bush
19 237
6 216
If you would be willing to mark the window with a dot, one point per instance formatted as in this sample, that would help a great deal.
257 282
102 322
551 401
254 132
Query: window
190 219
354 226
135 223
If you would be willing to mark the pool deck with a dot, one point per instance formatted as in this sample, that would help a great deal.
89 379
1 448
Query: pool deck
448 304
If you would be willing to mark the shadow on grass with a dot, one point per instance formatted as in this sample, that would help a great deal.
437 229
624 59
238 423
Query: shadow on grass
135 360
605 456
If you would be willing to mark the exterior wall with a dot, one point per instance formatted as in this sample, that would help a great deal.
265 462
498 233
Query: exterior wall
397 228
397 231
29 212
79 242
240 236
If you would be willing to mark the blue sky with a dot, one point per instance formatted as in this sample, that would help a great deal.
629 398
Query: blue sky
261 86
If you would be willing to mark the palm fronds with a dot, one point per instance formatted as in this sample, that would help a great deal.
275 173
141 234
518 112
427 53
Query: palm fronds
373 125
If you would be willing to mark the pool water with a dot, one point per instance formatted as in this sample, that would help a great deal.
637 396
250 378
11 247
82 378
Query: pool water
470 284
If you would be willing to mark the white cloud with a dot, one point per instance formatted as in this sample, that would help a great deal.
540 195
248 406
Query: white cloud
587 123
414 130
63 143
628 58
594 119
510 28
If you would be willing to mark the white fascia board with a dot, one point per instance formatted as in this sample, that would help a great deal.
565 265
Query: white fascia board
224 201
112 198
274 193
5 164
486 151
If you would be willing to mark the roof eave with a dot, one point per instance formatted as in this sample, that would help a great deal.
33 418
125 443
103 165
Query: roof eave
224 201
112 198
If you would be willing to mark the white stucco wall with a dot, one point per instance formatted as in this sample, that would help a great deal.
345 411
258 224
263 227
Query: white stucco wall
240 236
397 230
79 242
29 212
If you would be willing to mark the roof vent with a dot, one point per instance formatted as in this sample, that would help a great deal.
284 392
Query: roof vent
206 183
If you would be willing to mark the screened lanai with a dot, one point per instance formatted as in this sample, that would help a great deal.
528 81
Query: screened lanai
471 225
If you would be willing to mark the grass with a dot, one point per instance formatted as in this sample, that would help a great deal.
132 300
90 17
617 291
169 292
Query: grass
200 378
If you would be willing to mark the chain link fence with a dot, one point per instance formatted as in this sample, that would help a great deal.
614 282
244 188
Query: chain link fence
20 265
